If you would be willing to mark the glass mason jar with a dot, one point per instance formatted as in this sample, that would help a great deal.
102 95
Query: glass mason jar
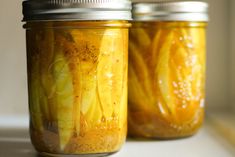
167 69
77 54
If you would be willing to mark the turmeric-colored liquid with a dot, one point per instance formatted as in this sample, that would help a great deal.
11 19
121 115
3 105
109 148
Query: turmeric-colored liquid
77 74
166 79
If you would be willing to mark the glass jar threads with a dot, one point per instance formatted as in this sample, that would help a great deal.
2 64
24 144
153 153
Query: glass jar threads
77 54
167 69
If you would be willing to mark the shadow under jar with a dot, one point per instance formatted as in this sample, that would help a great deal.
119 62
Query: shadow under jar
167 69
77 54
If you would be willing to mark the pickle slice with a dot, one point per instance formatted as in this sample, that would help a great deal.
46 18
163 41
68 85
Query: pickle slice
90 104
135 93
47 83
34 96
88 90
163 73
141 70
119 71
34 89
104 82
142 37
110 71
88 45
94 114
64 98
70 51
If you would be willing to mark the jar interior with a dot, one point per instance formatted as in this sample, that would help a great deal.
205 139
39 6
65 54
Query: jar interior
166 79
77 76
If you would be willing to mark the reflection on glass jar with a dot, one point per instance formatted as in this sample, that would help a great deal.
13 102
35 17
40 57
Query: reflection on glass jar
77 77
166 77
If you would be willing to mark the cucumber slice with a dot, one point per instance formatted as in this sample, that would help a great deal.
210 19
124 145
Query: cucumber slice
34 96
110 71
64 98
163 74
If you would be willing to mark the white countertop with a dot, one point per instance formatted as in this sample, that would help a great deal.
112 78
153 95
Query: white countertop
16 143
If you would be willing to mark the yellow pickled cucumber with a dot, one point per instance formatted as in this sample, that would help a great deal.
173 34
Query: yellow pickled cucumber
34 95
187 74
105 83
162 73
155 47
136 95
90 104
110 71
119 71
94 114
142 37
141 70
46 49
88 43
121 74
44 104
122 107
64 98
69 49
190 59
88 91
198 37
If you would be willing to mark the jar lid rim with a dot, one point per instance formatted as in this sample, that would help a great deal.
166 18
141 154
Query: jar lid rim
44 10
171 11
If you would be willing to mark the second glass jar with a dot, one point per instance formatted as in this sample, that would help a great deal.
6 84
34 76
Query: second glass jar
167 70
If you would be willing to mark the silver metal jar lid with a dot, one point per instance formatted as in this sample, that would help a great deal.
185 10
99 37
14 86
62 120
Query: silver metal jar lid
168 10
61 10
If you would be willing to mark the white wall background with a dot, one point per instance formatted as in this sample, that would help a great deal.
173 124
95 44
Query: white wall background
221 64
232 54
13 97
217 55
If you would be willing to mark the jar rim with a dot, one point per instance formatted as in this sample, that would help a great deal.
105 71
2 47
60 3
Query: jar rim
66 10
171 11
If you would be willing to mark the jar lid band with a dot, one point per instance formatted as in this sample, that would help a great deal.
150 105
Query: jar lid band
171 11
61 10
